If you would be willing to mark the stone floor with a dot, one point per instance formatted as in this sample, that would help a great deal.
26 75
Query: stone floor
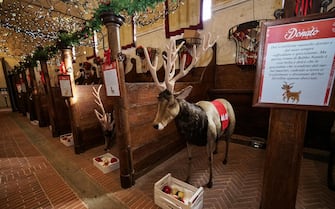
37 171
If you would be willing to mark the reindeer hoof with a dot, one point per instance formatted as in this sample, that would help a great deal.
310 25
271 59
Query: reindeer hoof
210 184
224 161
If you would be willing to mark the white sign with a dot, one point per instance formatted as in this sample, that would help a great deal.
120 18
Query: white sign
298 63
111 80
65 85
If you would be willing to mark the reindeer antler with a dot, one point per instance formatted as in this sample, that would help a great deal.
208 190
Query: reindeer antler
105 118
170 63
97 100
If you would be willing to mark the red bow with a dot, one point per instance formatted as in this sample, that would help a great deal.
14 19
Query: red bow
107 55
62 68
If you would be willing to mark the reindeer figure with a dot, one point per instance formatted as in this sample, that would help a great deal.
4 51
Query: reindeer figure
294 96
200 123
106 119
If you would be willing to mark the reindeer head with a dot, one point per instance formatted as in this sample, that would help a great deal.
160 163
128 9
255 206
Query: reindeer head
286 86
168 104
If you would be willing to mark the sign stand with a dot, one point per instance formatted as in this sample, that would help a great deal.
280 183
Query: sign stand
295 73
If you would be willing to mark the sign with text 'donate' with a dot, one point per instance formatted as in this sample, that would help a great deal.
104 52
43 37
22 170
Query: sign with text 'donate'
296 65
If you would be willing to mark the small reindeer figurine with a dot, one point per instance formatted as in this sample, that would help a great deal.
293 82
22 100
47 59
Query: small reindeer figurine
201 123
106 119
288 94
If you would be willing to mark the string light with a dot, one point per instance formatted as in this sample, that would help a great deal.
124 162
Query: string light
24 24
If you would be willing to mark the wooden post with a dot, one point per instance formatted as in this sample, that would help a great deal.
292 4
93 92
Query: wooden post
35 97
284 146
67 59
283 158
51 102
113 23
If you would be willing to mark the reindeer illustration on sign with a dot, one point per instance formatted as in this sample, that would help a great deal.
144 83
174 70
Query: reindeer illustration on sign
288 94
201 123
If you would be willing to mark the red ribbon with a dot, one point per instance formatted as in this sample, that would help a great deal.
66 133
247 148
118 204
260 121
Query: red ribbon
62 68
107 55
42 77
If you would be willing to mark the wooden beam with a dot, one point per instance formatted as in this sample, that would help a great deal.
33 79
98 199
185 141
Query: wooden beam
283 158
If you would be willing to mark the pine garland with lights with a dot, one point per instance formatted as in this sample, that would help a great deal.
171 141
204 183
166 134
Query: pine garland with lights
128 7
44 53
66 39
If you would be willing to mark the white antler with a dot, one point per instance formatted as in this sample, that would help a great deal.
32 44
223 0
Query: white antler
105 118
153 70
170 63
196 54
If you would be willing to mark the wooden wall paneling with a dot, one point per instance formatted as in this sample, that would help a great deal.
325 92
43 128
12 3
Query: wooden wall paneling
86 129
156 152
24 103
237 86
18 95
30 100
318 129
233 77
31 107
33 96
50 99
25 93
42 108
62 115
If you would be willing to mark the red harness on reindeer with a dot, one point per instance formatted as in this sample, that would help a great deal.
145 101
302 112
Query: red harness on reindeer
223 114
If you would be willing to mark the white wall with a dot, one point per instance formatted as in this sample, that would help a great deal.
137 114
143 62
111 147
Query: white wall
224 16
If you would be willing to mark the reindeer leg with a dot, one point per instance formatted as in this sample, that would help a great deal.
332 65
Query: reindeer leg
210 180
216 145
189 155
227 148
228 134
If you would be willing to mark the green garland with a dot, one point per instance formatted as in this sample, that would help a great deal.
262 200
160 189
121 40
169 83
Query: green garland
44 53
129 7
66 39
28 62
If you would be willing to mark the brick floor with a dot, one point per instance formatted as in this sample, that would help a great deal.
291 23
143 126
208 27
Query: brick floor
37 171
27 178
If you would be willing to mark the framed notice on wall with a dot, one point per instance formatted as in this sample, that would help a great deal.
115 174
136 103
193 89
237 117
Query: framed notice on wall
65 85
296 65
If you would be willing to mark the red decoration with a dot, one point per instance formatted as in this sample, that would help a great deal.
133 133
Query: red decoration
62 68
302 6
107 55
42 77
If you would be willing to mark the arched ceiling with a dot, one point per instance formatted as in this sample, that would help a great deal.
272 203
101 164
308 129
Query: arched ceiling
25 24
